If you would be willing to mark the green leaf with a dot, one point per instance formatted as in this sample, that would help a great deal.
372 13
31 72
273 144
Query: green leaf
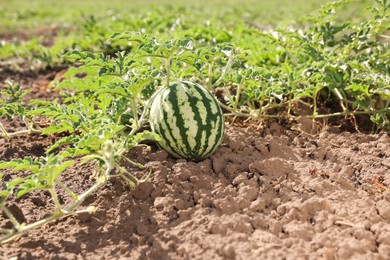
11 184
62 167
63 141
145 135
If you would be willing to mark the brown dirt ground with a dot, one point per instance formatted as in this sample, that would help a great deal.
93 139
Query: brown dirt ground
269 193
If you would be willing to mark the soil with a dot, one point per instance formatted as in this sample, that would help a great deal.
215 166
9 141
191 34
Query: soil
276 192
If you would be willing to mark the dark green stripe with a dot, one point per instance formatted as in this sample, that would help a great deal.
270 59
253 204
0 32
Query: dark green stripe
172 146
161 130
206 128
198 118
173 99
220 131
208 102
217 139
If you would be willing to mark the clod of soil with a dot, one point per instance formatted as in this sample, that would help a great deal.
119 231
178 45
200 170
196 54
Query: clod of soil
264 194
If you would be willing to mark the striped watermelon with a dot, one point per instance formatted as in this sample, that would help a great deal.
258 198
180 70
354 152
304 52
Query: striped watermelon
188 119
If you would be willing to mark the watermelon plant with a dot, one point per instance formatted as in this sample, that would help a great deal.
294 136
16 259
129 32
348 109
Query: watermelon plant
102 114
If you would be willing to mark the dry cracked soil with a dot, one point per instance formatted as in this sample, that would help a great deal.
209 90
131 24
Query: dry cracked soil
266 193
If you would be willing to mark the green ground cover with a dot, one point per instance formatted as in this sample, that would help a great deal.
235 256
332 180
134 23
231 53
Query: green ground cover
30 14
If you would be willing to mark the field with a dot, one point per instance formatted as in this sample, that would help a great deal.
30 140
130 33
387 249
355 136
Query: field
303 171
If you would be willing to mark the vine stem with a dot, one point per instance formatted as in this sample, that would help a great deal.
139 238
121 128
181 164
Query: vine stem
345 113
209 78
236 99
240 114
55 199
29 131
11 217
67 212
134 109
168 67
22 229
145 113
2 129
234 112
5 231
225 70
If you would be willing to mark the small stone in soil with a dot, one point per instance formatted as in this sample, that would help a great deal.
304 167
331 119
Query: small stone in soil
143 190
84 216
158 156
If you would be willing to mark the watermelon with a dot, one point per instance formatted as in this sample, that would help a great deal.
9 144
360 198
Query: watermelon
188 119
